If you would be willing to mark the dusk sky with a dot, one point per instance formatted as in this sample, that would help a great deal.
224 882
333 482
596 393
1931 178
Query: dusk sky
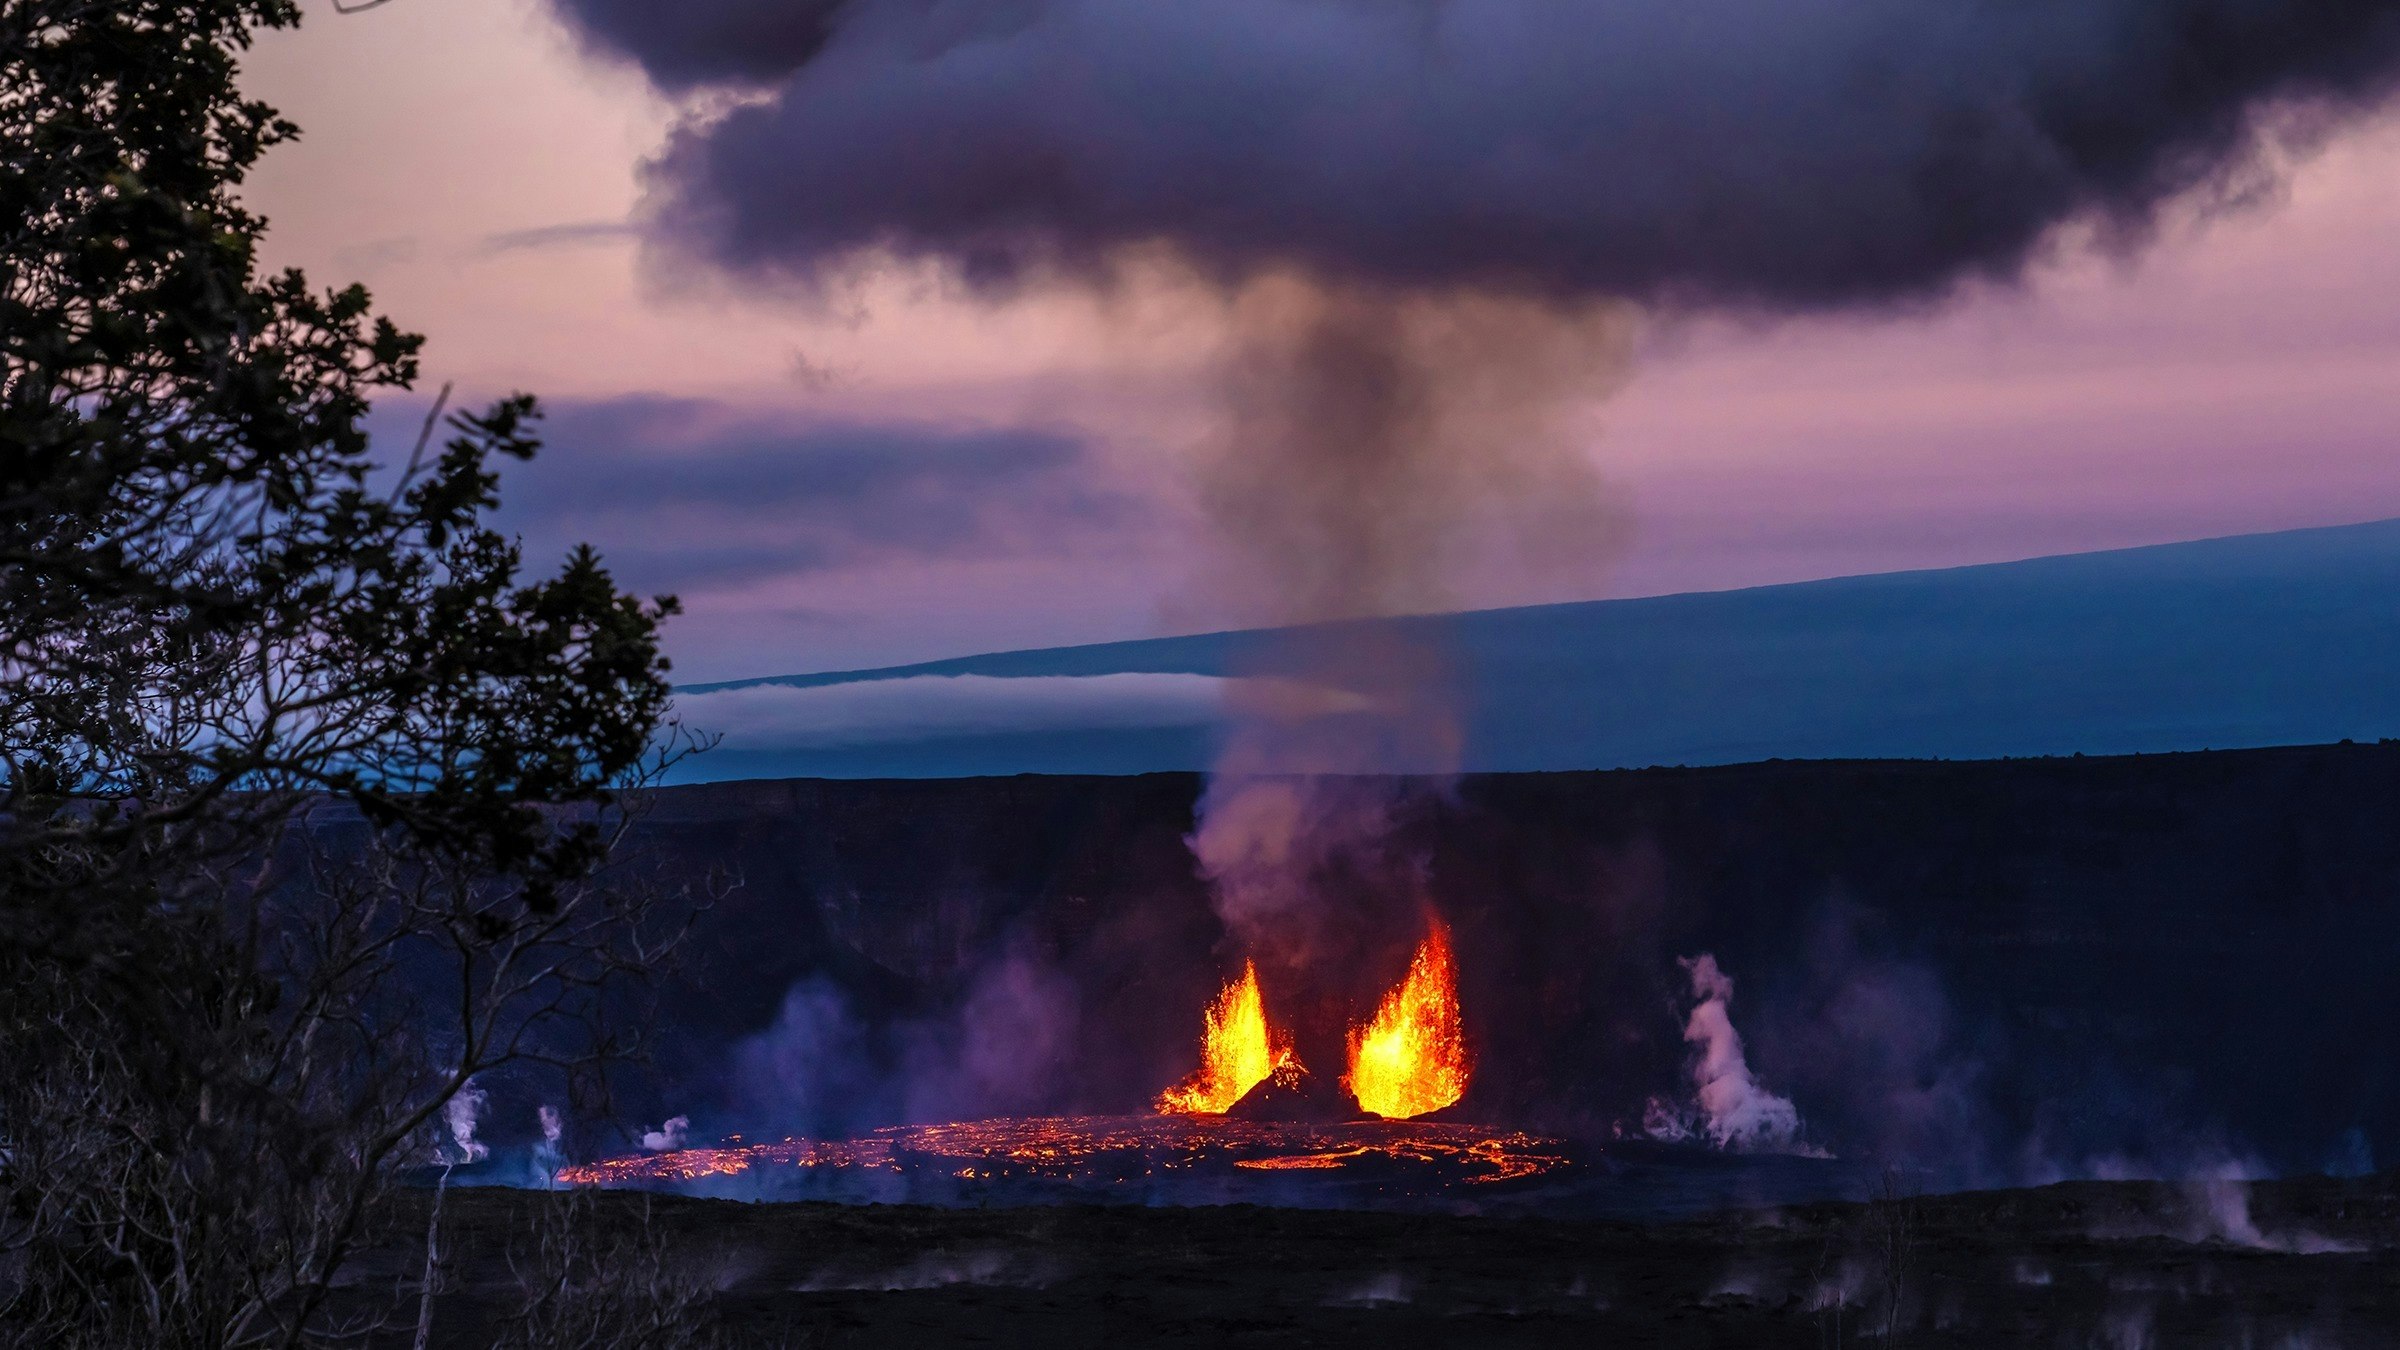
904 470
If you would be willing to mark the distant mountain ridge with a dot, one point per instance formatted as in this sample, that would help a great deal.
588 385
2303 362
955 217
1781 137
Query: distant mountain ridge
2284 638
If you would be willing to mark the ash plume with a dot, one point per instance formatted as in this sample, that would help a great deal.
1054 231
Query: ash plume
1364 428
1365 434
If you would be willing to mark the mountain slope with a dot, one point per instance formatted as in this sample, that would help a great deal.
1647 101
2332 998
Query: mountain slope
2282 638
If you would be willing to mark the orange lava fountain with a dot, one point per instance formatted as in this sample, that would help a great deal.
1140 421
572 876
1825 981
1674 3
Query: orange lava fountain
1412 1058
1237 1052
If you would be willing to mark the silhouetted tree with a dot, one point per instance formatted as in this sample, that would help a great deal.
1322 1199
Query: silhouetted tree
304 780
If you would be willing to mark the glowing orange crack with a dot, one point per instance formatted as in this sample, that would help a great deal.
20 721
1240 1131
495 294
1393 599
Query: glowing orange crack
1105 1148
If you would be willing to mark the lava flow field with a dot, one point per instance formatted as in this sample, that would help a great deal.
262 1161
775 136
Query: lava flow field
1419 1166
1202 1155
1248 1113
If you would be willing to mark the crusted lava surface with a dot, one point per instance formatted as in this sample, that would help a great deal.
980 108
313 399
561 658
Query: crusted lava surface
1292 1093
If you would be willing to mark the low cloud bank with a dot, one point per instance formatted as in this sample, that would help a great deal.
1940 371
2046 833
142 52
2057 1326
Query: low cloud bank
925 707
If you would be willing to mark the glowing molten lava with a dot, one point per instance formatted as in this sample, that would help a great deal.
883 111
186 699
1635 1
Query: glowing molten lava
1237 1052
1413 1057
1109 1151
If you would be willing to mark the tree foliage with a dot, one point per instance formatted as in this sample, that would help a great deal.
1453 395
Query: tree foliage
292 743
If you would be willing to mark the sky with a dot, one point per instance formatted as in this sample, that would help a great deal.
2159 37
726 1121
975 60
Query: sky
909 469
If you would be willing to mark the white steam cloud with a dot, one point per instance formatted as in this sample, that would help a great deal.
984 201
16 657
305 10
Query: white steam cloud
2219 1199
1735 1112
548 1155
668 1137
462 1113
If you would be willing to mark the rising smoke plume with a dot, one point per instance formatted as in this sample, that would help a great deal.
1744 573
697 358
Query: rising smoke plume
1364 426
1366 431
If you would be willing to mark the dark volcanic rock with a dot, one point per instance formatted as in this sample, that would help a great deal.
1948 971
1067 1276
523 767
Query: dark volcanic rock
1293 1094
2113 1264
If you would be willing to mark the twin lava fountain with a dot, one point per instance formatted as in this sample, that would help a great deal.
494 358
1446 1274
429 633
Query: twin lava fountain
1409 1059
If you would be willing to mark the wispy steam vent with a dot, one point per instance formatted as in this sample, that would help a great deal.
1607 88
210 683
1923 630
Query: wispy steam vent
1777 153
550 1154
1735 1112
461 1115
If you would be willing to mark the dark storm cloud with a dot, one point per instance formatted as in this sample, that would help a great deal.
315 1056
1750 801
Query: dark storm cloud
685 42
679 492
1785 153
663 451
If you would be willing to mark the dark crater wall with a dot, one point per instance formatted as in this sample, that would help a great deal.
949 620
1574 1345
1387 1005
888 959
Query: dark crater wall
2004 969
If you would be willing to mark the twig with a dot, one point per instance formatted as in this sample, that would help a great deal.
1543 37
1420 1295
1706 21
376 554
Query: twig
433 1228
